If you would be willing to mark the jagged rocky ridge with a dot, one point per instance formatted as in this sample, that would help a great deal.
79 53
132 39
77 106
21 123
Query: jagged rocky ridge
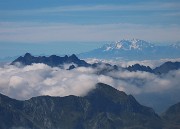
57 61
102 108
162 69
52 60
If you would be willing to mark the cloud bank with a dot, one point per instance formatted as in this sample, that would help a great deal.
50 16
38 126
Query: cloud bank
40 79
122 63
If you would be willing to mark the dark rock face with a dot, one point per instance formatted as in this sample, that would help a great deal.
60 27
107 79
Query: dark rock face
71 67
166 67
53 60
172 117
11 114
102 108
138 67
162 69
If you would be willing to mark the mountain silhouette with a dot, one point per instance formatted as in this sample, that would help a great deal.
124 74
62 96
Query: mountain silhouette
134 49
53 60
166 67
172 117
138 67
57 61
102 108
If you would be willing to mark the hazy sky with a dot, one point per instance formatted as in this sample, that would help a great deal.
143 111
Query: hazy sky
91 21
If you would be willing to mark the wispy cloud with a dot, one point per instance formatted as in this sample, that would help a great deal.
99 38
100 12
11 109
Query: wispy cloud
144 6
93 13
158 21
150 6
46 32
177 14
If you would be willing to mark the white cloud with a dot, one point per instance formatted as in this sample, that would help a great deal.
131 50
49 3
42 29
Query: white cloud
122 63
15 81
39 79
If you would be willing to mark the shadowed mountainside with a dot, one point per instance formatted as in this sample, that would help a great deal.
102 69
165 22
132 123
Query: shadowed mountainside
172 117
104 107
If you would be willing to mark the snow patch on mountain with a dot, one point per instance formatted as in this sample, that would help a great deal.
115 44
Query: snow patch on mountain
176 45
134 44
134 49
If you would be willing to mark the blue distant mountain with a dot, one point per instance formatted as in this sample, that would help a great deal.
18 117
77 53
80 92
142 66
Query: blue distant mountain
134 49
53 60
57 61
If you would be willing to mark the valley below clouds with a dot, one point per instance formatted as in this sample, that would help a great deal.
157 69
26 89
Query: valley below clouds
24 82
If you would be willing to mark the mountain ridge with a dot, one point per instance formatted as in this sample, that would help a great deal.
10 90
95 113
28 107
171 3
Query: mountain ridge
53 60
98 109
134 49
172 116
103 107
128 45
57 61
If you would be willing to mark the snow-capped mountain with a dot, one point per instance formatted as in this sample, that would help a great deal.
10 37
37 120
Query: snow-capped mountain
134 49
176 45
135 44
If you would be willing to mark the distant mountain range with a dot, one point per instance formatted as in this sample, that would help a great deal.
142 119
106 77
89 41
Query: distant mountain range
162 69
134 49
102 108
74 61
53 60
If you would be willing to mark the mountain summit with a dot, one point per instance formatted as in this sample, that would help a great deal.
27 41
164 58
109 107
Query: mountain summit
134 44
102 108
134 49
53 60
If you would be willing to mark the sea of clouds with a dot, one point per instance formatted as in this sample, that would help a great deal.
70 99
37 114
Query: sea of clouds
157 91
125 63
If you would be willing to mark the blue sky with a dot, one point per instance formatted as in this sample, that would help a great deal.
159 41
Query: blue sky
84 23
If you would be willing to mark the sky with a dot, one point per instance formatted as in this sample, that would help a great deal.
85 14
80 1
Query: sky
69 26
